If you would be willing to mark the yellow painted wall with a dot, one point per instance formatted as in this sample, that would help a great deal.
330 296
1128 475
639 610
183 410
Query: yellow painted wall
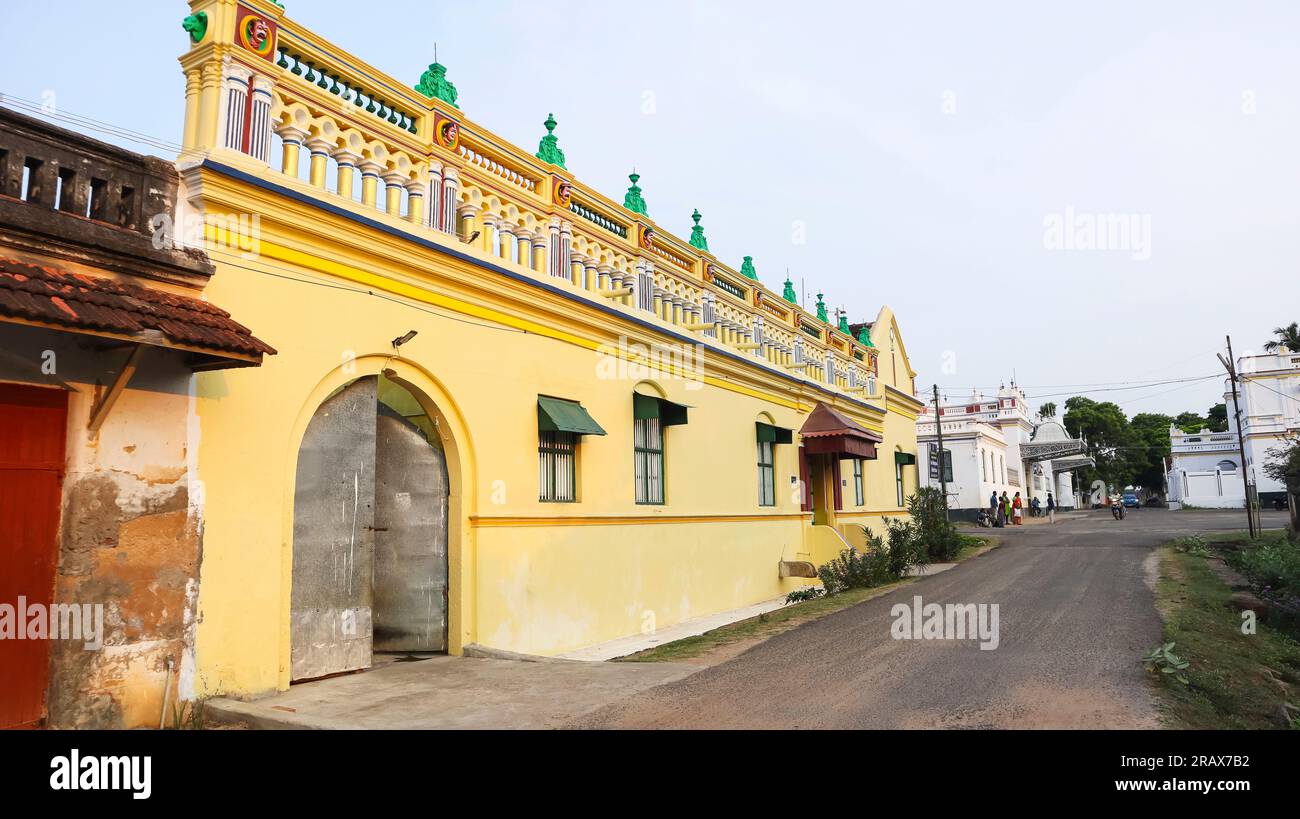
516 584
330 293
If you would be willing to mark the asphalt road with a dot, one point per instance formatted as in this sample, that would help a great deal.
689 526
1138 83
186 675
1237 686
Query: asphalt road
1076 615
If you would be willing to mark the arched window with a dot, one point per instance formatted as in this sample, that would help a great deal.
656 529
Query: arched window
1227 466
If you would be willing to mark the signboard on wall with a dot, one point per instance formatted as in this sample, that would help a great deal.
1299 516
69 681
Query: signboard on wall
934 464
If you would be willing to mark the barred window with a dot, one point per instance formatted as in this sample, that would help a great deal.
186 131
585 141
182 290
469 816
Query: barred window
857 481
766 474
648 444
557 462
898 480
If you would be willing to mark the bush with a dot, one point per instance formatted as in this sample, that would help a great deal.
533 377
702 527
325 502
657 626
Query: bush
938 538
857 570
1273 565
906 548
804 595
1192 545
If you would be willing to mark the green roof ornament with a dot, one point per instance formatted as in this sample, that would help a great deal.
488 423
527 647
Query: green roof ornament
844 324
789 294
747 268
549 150
864 335
196 25
697 233
633 200
821 310
435 85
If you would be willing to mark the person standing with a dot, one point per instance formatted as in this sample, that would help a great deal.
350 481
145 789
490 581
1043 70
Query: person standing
1018 510
1004 509
1051 508
993 507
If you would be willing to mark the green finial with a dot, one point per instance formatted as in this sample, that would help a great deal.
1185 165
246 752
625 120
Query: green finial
196 25
633 201
821 310
864 335
435 85
549 150
789 294
844 324
697 233
747 268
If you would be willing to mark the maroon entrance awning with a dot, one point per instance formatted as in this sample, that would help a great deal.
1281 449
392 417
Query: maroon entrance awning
827 432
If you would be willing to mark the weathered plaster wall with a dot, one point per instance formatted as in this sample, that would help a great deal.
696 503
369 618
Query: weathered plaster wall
130 536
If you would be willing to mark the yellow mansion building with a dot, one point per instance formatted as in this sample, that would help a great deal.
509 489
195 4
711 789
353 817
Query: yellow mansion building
506 410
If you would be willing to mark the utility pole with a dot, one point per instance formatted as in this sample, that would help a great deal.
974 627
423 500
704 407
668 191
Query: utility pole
1230 365
938 427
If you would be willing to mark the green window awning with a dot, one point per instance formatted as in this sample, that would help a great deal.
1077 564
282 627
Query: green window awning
559 415
775 435
649 406
904 459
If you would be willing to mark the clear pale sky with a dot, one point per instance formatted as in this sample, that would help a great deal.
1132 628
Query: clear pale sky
921 146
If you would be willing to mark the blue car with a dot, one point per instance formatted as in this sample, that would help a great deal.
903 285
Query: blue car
1130 501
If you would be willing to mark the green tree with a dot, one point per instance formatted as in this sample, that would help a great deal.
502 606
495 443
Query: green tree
1288 337
1189 422
1107 431
1146 455
1047 410
1217 418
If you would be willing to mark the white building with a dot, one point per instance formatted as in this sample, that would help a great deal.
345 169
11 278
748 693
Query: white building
1205 468
1270 413
995 445
1205 465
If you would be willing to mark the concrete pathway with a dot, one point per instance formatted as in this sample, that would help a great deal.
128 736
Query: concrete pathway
450 693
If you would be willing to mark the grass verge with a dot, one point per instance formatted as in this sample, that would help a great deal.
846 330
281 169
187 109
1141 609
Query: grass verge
1235 680
783 619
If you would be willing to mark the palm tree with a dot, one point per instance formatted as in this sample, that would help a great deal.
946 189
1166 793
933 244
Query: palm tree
1288 337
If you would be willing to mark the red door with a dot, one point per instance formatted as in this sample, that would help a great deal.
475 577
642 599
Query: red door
33 431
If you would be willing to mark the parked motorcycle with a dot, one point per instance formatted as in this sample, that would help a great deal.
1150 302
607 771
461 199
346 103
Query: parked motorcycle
984 519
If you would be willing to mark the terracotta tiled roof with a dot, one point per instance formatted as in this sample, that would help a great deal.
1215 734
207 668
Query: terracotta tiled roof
826 422
50 295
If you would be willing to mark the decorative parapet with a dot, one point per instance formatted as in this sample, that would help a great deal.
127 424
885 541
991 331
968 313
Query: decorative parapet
262 86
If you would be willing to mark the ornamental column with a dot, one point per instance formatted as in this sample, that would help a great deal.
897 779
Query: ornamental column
259 129
539 260
506 246
415 201
193 85
394 184
293 139
320 153
450 197
234 105
370 182
469 223
435 195
209 91
347 162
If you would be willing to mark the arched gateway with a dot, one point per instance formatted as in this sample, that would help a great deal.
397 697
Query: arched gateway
370 532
